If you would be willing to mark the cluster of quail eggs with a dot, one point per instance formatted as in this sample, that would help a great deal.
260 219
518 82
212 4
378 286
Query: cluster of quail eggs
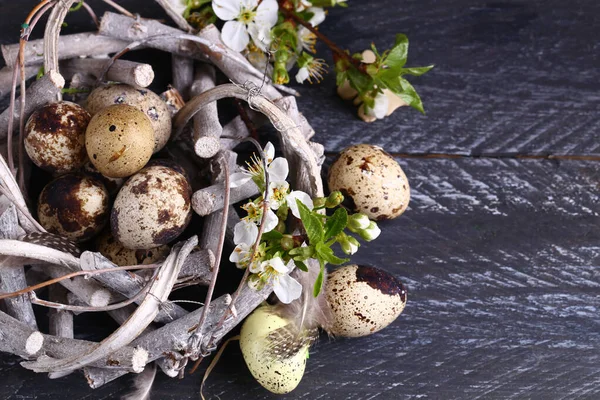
100 157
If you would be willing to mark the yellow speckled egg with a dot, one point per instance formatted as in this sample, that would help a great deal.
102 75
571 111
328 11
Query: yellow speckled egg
152 208
371 181
363 300
55 137
74 206
275 370
119 141
110 248
143 99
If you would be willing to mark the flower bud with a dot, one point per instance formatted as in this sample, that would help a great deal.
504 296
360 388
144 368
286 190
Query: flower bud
319 202
349 245
280 75
280 226
287 242
358 221
371 232
334 199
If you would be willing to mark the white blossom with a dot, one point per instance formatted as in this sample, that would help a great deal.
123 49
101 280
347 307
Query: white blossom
277 169
246 18
318 15
380 108
285 287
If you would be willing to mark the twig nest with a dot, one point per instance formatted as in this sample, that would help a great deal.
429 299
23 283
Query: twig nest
152 208
55 137
276 367
363 300
119 141
110 248
74 206
371 181
144 100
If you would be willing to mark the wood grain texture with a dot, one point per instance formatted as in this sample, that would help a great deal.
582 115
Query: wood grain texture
501 257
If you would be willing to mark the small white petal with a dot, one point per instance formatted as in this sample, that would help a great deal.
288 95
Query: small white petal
271 221
256 267
304 199
266 13
302 75
318 15
261 35
380 108
248 4
269 151
279 169
245 232
235 36
238 179
226 9
287 288
278 265
238 253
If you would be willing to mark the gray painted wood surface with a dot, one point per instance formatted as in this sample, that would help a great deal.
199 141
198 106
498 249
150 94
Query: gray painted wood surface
501 256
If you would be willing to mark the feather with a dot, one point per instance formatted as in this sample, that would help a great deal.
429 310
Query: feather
305 315
142 384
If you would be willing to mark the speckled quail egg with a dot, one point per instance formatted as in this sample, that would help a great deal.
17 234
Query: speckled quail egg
371 181
119 141
55 137
363 300
74 206
152 208
110 248
143 99
275 367
111 184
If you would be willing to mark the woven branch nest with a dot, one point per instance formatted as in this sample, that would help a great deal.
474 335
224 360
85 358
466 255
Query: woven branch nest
136 342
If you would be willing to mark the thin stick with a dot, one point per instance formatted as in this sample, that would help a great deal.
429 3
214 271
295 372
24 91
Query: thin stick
261 229
74 274
110 307
119 8
197 335
90 11
22 209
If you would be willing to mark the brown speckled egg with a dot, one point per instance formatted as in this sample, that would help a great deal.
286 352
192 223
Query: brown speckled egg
276 364
152 208
74 206
119 141
111 184
55 137
363 300
110 248
371 181
143 99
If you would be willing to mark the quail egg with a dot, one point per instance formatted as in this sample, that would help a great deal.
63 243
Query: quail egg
110 248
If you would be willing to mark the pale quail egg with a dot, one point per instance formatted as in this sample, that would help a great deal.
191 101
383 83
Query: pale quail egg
110 248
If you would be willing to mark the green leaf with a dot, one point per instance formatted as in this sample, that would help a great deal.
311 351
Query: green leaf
272 235
396 58
415 71
410 96
301 266
319 280
325 253
302 253
359 81
312 223
336 223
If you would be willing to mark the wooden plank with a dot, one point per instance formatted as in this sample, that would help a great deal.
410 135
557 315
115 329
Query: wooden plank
509 78
501 261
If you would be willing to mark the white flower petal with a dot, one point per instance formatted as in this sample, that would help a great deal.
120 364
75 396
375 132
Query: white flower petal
279 169
248 4
235 36
298 195
266 13
261 36
238 179
269 151
226 9
278 192
278 265
271 221
287 288
380 108
318 15
245 232
302 75
239 253
257 267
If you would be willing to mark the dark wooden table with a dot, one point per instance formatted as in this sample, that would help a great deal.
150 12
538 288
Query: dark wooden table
500 248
